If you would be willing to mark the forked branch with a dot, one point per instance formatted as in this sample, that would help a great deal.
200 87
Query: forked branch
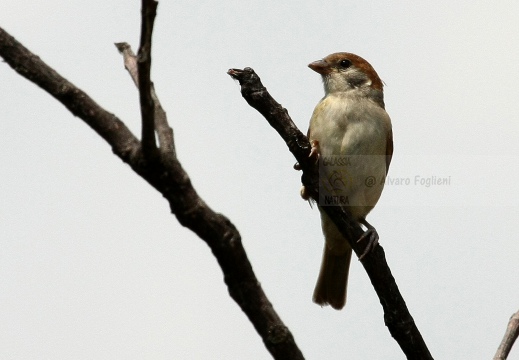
164 132
166 175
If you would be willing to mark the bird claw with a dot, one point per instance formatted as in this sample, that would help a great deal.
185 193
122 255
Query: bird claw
371 235
314 154
314 151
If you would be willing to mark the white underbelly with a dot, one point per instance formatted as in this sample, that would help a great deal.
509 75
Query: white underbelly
353 169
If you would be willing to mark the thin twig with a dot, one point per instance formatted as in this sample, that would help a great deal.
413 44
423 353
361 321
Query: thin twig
149 11
396 315
130 61
164 131
511 334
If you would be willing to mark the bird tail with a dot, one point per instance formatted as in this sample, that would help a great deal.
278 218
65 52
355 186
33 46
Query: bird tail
333 279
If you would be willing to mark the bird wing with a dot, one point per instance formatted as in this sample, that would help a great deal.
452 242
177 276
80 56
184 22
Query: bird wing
389 149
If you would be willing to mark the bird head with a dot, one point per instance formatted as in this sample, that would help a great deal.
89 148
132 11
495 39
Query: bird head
344 72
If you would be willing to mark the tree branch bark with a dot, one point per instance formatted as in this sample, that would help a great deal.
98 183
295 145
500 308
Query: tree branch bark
511 334
164 132
396 315
149 11
166 175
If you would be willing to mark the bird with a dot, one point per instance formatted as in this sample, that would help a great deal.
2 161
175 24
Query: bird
351 135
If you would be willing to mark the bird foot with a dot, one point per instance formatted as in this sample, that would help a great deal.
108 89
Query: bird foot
314 151
371 235
314 155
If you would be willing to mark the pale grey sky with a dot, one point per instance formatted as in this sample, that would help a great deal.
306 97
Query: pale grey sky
93 266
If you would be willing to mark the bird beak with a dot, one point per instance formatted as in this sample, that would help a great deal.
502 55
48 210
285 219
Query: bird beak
320 66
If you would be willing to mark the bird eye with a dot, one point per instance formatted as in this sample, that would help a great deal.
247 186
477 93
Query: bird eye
345 63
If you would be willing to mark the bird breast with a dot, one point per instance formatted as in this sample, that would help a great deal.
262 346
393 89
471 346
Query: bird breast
352 134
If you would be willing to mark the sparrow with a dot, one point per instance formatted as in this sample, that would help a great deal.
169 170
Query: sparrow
352 136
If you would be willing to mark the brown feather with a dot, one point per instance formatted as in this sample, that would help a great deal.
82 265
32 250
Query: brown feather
333 279
389 149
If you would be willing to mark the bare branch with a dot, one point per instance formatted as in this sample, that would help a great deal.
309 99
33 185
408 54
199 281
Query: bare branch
396 315
511 334
165 133
108 126
130 61
149 11
169 178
